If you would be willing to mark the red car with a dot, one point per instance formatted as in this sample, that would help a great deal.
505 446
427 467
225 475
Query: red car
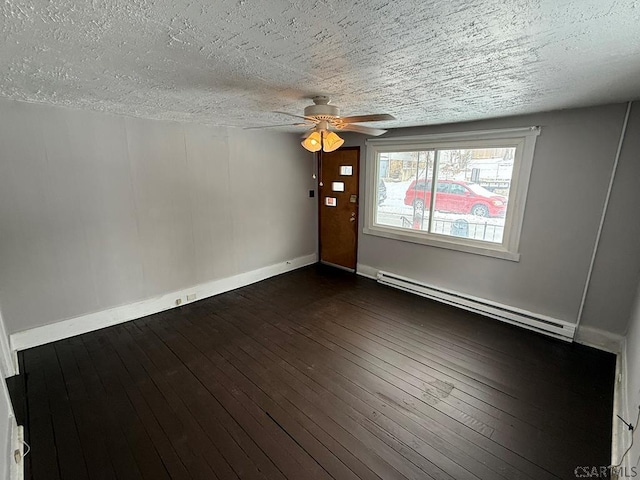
457 197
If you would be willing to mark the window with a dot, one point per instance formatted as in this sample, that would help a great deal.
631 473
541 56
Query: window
477 205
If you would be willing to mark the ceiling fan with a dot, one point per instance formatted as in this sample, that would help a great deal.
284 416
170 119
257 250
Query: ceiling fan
324 118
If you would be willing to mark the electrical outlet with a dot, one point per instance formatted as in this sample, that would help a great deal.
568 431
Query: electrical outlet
191 296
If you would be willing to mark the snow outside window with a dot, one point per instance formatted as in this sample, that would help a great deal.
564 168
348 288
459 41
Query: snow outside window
463 191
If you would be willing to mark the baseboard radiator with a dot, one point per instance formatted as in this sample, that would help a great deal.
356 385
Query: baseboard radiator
532 321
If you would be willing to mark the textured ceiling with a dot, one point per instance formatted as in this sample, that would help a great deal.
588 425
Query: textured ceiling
233 62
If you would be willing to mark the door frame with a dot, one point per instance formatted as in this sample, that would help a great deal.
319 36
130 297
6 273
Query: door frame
319 203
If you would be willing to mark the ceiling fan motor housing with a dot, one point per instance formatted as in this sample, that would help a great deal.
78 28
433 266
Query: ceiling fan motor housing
322 110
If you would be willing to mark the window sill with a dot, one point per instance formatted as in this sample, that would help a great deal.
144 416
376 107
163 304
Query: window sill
469 246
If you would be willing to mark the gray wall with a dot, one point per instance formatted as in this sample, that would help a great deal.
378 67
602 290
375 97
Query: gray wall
571 170
617 267
98 210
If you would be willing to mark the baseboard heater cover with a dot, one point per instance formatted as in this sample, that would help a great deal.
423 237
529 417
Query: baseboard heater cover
515 316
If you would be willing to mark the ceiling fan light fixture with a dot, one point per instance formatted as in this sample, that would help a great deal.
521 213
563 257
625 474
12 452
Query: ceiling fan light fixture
332 142
313 142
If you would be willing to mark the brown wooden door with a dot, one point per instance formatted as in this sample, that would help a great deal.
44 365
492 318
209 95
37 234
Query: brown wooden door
339 198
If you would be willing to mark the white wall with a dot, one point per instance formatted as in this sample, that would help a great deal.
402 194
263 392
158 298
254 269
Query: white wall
571 170
7 419
632 376
99 211
6 415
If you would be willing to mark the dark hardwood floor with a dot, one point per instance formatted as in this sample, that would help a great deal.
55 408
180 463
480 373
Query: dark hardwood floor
316 374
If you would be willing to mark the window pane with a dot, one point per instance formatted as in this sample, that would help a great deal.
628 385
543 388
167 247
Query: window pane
403 189
420 188
475 203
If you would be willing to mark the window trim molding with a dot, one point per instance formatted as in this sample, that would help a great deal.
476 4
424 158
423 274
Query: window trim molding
524 139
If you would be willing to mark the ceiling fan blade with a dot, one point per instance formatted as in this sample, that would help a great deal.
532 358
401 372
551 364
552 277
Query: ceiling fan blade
360 129
367 118
280 125
309 119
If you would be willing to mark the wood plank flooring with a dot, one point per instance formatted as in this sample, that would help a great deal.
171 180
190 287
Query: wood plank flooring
316 374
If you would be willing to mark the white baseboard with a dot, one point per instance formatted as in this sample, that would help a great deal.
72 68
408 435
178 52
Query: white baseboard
113 316
367 271
600 339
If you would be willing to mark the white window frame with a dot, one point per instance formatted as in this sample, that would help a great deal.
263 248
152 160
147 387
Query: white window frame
523 139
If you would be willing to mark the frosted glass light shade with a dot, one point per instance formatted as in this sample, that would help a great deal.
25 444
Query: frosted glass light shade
313 142
332 142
